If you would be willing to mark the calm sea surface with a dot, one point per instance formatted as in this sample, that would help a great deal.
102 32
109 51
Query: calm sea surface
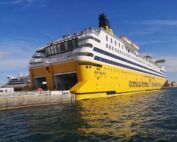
144 117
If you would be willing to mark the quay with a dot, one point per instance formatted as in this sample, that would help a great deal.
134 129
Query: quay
30 99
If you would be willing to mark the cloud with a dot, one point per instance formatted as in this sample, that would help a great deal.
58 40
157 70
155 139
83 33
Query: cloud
170 65
10 64
145 31
159 22
4 54
15 2
40 3
158 41
170 62
15 47
15 54
22 1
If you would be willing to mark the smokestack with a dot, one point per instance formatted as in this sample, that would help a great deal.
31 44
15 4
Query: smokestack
104 23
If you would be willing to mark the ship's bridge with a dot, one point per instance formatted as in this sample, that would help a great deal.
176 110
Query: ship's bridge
67 47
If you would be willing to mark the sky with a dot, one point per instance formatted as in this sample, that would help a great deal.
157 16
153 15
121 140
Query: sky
29 24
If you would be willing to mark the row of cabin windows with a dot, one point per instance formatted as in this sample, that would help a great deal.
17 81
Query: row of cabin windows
85 45
62 47
35 63
111 41
115 49
125 54
110 46
84 54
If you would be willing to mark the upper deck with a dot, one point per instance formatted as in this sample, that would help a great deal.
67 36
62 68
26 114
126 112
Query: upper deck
97 45
81 44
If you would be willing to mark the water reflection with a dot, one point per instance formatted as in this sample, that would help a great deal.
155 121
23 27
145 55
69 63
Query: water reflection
137 117
141 117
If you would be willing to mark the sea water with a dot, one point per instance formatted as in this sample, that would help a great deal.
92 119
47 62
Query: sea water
145 117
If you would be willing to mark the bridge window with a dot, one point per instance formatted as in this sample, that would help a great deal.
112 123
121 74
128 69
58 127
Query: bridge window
86 45
106 38
84 54
62 47
55 49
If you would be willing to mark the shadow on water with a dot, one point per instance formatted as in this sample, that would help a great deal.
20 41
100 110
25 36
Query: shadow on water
143 117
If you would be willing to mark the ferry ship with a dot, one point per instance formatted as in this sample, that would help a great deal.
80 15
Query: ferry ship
18 83
95 63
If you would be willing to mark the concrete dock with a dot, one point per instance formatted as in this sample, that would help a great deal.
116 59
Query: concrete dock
26 99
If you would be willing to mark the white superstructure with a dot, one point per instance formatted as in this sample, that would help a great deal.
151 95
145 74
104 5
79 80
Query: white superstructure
100 46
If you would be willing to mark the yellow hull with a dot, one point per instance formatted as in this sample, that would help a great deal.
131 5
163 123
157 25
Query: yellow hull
99 80
106 81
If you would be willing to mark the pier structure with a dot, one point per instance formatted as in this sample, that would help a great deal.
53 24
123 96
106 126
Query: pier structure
30 99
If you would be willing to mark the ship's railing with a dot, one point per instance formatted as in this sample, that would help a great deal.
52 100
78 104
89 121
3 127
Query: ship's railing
142 59
53 59
76 34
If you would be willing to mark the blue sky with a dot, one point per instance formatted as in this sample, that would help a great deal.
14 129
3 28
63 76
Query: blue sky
28 24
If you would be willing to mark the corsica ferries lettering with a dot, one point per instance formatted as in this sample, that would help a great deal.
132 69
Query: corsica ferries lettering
143 84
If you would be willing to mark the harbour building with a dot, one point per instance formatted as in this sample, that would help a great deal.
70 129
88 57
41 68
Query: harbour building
95 63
